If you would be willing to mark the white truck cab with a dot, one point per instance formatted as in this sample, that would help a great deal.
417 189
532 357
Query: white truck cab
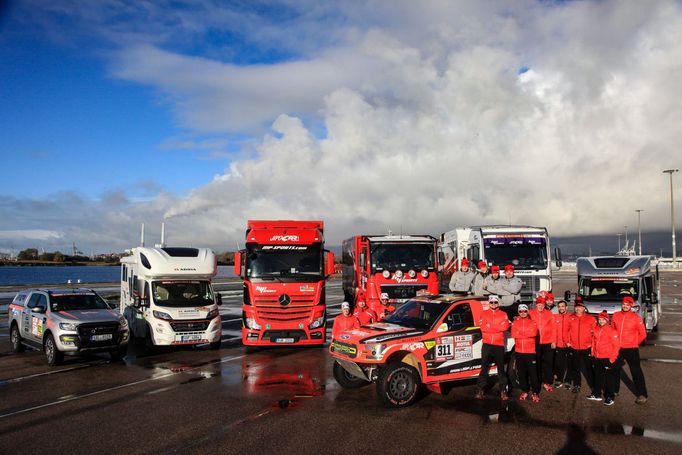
167 296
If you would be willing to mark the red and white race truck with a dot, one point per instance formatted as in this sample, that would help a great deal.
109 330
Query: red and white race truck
399 265
284 267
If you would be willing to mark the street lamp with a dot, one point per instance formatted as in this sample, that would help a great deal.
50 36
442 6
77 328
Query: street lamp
639 229
626 236
672 213
618 242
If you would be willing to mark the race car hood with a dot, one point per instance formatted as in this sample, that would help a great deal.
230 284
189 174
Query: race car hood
88 315
378 333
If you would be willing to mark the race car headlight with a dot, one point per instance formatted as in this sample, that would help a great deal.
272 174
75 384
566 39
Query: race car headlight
71 326
123 323
213 313
252 324
412 273
317 322
425 273
162 315
399 273
386 274
376 351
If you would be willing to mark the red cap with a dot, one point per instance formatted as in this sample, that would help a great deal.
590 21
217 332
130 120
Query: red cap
629 300
579 303
604 315
578 298
495 268
508 267
464 262
549 296
539 299
482 264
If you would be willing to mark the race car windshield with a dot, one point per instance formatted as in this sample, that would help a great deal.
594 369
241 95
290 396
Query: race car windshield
76 302
600 289
284 262
522 253
182 293
401 256
417 314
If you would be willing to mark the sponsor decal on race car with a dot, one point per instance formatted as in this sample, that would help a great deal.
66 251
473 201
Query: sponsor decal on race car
390 336
344 337
444 348
343 348
412 346
463 347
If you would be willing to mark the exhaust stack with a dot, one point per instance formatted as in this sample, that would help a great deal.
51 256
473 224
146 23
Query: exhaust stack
142 236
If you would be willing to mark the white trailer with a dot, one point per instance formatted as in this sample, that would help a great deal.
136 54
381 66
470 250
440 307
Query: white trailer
527 248
167 297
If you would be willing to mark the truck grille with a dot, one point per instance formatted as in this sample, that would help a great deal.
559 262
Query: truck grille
88 330
273 335
402 291
531 285
295 301
189 326
283 314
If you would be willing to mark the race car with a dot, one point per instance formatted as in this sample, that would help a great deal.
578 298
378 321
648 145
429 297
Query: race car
429 340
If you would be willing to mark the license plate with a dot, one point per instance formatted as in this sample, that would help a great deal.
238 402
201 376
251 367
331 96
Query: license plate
284 340
190 337
106 336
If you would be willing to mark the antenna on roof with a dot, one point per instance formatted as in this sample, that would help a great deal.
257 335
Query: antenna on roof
163 235
142 236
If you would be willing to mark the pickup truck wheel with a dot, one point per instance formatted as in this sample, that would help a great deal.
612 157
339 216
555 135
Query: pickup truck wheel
15 339
119 354
54 356
398 385
347 380
216 345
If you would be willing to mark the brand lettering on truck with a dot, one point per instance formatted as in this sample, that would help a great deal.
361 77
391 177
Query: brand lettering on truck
264 290
284 238
405 279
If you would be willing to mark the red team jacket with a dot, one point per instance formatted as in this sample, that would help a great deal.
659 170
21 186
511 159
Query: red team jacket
605 343
630 328
343 323
562 323
545 321
493 325
366 317
580 331
524 331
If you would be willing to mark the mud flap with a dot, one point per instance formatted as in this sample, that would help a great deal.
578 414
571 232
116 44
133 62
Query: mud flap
353 369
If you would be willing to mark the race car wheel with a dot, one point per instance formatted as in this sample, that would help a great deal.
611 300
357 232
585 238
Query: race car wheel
15 339
347 380
54 356
398 385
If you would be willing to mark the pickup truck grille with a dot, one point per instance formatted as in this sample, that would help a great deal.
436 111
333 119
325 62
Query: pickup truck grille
87 331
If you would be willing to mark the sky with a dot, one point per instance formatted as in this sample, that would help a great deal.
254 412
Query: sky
370 115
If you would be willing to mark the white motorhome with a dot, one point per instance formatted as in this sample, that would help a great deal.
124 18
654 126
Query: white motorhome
527 248
167 297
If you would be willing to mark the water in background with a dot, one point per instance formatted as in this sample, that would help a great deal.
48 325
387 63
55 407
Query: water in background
17 276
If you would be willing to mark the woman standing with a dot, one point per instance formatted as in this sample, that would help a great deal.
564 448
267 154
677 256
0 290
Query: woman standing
524 331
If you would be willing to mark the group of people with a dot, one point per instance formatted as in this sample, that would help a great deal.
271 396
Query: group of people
556 349
363 314
488 281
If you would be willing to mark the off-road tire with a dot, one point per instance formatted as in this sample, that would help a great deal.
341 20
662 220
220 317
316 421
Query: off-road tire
15 339
398 385
53 355
347 380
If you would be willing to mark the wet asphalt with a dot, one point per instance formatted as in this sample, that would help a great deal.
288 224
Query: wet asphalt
285 400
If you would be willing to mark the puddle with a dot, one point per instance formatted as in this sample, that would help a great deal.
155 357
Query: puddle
663 360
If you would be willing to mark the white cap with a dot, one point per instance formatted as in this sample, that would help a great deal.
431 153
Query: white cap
523 307
345 305
493 298
384 296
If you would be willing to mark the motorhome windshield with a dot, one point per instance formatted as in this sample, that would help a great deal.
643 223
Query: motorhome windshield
76 302
525 253
182 293
609 289
284 262
401 256
417 314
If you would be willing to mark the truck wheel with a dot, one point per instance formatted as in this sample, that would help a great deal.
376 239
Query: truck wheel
345 379
15 339
119 354
216 345
54 356
398 385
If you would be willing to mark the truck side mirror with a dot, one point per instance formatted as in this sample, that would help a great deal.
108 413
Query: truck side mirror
218 298
136 301
329 264
567 296
557 256
441 258
238 263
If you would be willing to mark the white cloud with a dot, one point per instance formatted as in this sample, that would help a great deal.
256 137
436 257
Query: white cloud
30 234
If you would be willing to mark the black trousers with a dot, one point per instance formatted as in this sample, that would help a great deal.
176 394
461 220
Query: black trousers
545 355
492 354
562 358
526 368
631 356
582 363
605 377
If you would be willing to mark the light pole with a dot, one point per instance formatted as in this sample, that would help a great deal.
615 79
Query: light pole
639 229
626 236
618 243
672 213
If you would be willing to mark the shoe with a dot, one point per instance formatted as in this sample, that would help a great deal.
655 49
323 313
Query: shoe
593 398
504 396
523 396
641 399
608 402
479 395
567 385
557 384
535 397
575 389
547 387
615 394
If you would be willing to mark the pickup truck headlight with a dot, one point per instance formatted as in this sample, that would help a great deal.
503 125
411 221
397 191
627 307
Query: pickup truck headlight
71 326
252 324
162 315
317 322
123 323
213 313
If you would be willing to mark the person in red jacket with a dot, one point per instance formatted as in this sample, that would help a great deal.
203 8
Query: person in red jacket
605 348
382 308
365 315
580 342
493 324
632 333
344 321
562 354
546 341
524 330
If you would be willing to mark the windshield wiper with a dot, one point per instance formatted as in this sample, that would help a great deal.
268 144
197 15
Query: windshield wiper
269 276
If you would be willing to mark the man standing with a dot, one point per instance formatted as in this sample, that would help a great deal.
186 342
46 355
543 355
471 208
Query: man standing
382 308
493 324
524 331
364 315
461 280
546 342
580 341
562 355
478 286
605 347
344 321
631 330
509 290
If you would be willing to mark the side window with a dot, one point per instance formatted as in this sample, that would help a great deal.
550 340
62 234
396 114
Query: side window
459 318
124 273
42 302
474 253
146 290
135 285
33 300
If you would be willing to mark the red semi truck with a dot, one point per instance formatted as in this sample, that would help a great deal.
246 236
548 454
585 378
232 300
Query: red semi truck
399 265
284 267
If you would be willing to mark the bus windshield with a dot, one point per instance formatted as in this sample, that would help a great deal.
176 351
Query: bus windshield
609 289
524 253
284 262
402 256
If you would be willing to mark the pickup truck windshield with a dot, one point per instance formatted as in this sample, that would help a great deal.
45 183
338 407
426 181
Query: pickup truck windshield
417 314
284 262
401 256
609 289
182 293
75 302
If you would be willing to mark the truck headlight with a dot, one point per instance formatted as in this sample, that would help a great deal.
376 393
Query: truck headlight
162 315
412 273
317 322
399 273
71 326
425 273
386 274
252 324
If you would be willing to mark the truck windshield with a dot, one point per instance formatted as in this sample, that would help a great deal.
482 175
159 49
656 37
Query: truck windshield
182 293
75 302
401 256
284 262
609 289
525 253
417 314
